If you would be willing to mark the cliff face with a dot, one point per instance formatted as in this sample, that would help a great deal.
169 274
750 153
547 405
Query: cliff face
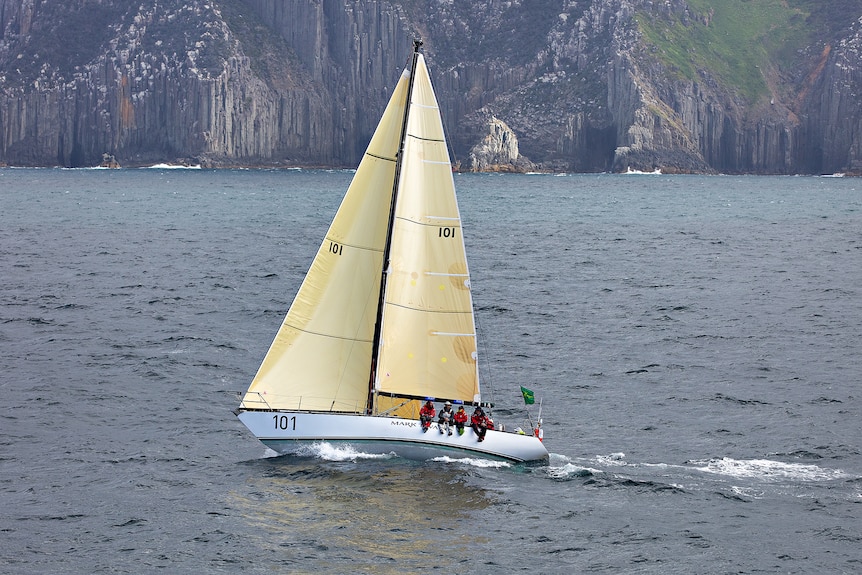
578 85
830 138
793 109
162 81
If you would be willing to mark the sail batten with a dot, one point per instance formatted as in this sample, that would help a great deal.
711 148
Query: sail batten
328 335
439 140
453 334
385 159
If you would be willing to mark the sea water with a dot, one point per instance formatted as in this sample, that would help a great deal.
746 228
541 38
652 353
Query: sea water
694 342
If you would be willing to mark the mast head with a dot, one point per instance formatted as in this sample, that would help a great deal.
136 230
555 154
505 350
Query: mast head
417 43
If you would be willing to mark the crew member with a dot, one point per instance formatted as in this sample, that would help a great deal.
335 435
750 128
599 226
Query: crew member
426 415
460 419
445 419
478 423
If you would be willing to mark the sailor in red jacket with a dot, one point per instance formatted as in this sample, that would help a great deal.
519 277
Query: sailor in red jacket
426 415
460 419
478 423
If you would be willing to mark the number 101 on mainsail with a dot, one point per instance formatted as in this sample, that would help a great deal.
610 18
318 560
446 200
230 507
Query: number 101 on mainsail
383 320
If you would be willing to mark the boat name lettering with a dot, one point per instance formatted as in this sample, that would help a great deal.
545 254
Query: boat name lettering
335 248
407 423
284 422
446 233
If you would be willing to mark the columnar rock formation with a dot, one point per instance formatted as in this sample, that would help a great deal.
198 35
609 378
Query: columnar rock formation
576 85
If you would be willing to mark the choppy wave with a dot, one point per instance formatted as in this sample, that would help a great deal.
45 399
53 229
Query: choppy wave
612 459
570 471
562 468
715 336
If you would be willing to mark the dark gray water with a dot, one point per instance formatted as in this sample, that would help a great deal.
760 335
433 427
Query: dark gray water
695 341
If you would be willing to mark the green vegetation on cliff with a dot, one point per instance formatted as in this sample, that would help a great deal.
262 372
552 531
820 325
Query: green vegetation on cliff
742 44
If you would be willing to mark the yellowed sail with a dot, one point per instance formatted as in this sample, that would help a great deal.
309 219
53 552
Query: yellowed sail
428 339
321 357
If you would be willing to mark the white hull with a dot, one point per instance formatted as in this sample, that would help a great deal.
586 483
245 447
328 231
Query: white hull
287 431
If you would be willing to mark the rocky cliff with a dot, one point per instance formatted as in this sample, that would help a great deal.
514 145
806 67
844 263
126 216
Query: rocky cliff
574 85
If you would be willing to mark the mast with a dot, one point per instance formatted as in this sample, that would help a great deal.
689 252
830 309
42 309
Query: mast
371 406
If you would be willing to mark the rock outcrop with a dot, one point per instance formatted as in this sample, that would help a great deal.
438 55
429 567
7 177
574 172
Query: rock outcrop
498 151
574 85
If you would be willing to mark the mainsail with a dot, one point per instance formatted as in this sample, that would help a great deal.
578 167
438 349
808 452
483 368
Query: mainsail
428 344
322 358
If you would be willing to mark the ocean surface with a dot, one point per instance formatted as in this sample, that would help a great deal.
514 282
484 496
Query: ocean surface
695 343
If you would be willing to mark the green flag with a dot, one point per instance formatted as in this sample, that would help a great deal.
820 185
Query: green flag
529 398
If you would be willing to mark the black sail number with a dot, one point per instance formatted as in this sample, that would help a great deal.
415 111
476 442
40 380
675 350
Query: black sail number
446 233
335 248
284 422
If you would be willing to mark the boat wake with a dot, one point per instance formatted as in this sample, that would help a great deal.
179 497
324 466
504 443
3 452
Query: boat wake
767 470
473 462
329 452
761 471
562 468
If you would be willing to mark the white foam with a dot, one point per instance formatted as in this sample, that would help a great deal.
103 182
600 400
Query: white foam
563 467
473 462
570 470
331 452
766 469
173 167
612 459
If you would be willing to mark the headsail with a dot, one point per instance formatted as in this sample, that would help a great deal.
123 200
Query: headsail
321 357
428 341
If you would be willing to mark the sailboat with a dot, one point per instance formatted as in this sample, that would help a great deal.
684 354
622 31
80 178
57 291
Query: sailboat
383 320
